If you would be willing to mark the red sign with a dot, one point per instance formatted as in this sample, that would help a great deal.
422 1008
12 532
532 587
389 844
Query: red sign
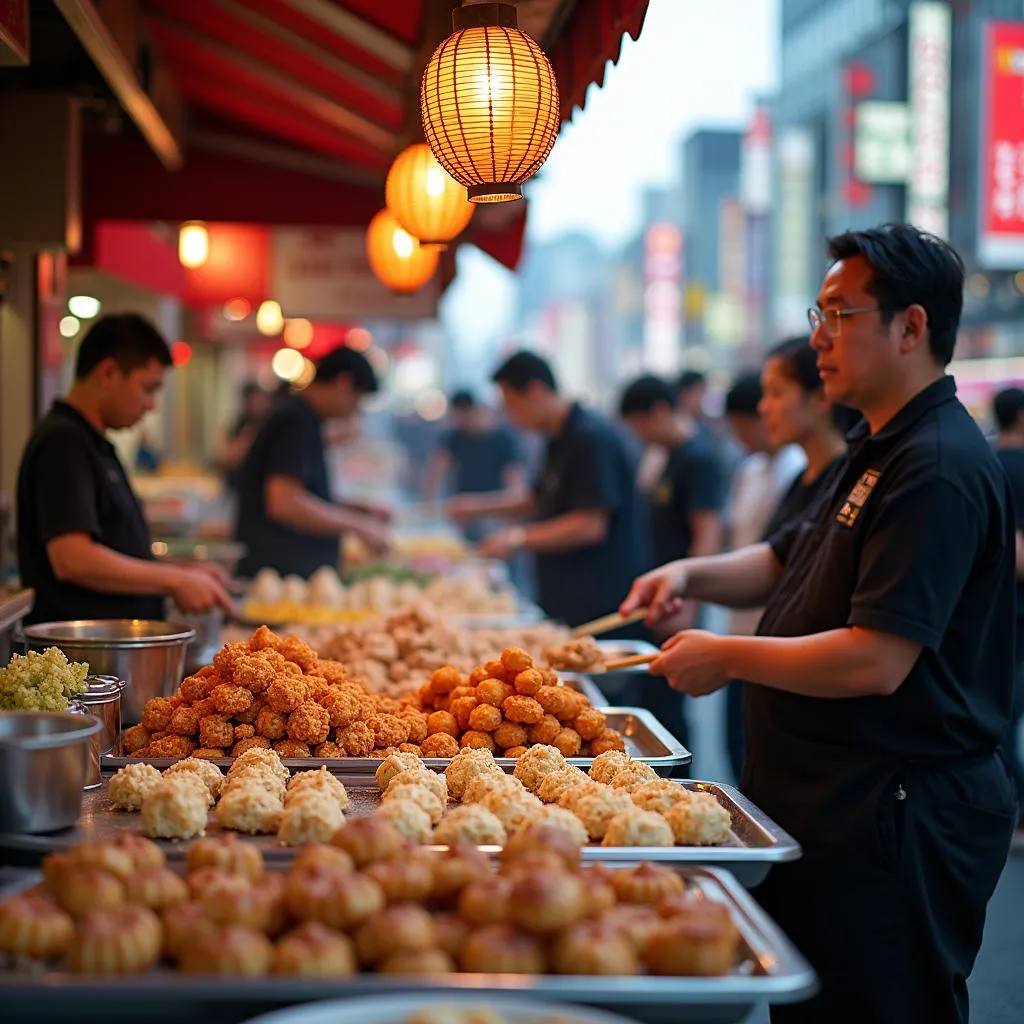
13 32
1001 238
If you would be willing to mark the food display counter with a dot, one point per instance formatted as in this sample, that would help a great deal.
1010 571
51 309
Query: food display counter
15 604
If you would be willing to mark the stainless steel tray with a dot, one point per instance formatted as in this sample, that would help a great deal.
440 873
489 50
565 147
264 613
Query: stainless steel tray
646 740
585 685
770 971
755 842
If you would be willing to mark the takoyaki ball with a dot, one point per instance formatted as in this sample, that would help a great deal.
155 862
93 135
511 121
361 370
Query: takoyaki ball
403 880
31 926
544 731
334 898
493 691
542 839
502 949
646 883
156 888
701 943
368 840
406 928
228 951
226 853
315 951
454 869
546 903
123 940
591 949
486 901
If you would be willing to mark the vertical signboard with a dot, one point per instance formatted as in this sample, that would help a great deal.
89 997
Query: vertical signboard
1001 148
793 257
663 297
931 27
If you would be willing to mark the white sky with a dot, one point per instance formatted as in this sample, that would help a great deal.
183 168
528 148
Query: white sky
696 64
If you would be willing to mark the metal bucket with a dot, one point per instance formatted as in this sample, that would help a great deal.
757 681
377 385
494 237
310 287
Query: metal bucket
102 699
93 774
148 655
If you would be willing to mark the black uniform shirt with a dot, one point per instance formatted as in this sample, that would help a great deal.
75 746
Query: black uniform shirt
587 467
290 443
914 539
71 481
1012 461
691 482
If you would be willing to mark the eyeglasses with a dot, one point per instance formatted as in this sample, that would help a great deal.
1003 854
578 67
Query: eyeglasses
832 319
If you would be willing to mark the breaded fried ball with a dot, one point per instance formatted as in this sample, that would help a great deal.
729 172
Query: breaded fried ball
609 739
472 824
131 783
224 660
537 762
210 774
508 734
256 672
515 660
393 765
607 765
633 776
243 732
208 753
317 688
409 818
477 676
342 708
263 638
466 766
388 730
699 821
544 731
421 795
333 671
493 691
444 680
330 750
476 740
492 782
195 688
250 743
440 745
433 781
554 784
528 682
170 746
485 718
286 693
250 714
513 811
461 708
216 731
270 723
292 748
442 721
156 715
496 669
637 827
298 653
514 752
230 700
522 710
309 723
568 742
135 738
356 739
416 723
248 809
560 701
319 780
313 819
597 808
176 808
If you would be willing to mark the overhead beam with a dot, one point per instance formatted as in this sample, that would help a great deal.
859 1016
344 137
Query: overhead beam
357 30
116 68
312 101
316 54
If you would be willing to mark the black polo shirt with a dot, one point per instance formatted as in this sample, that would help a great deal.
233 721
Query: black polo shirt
587 467
915 538
691 482
290 443
71 481
1012 461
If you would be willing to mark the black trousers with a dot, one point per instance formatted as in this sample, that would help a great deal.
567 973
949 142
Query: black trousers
893 927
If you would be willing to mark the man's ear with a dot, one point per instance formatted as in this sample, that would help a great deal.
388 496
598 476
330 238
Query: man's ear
915 327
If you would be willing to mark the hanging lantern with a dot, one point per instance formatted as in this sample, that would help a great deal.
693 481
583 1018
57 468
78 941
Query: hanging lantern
396 257
489 103
425 199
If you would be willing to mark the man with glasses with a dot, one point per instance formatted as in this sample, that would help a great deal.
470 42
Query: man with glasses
882 673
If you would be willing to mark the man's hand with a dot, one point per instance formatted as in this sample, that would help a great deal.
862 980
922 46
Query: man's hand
217 572
462 508
503 544
196 591
692 662
375 535
661 590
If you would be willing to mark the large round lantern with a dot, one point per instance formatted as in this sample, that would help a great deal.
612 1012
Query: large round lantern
425 199
489 103
396 257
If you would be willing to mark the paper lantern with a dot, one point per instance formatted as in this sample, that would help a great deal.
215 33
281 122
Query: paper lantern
396 257
489 103
425 199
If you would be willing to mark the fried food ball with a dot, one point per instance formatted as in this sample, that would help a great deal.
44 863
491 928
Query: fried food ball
229 699
476 740
82 888
411 820
392 766
591 949
286 693
208 753
263 758
417 724
176 808
156 715
514 752
444 680
466 766
216 731
248 743
508 734
130 784
114 861
298 653
143 852
123 940
317 687
342 708
258 905
486 900
470 824
493 691
135 738
515 660
547 903
228 951
513 811
597 807
434 781
388 730
633 776
318 857
484 718
170 746
408 880
31 926
243 732
589 723
638 827
424 962
536 763
451 932
454 869
496 670
319 780
333 671
544 731
646 883
560 701
528 682
442 721
421 795
572 796
608 740
554 784
209 774
405 928
480 786
501 949
477 676
522 710
543 838
196 688
699 821
607 765
270 723
329 750
309 723
368 840
224 660
564 821
356 739
598 885
293 748
254 774
334 898
313 819
156 888
315 951
659 795
702 942
263 638
440 745
256 672
226 854
248 808
568 742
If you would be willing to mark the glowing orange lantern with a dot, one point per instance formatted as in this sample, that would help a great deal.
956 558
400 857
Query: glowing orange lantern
396 257
425 199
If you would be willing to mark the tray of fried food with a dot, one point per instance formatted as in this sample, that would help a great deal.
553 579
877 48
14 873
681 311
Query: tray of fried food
277 693
369 914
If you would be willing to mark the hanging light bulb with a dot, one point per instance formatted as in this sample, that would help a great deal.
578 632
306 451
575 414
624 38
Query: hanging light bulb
396 257
193 244
427 201
489 103
269 320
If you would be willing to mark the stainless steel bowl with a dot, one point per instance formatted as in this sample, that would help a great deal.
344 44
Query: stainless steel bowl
148 655
44 758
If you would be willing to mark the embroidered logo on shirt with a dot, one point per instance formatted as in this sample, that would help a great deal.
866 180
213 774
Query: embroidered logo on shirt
857 498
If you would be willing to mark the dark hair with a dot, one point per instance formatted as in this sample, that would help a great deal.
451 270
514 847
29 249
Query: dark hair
127 338
644 394
522 369
344 361
911 267
251 388
800 364
743 398
463 400
1007 407
691 379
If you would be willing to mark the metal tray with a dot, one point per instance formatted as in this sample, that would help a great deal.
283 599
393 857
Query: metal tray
755 842
584 684
770 970
647 740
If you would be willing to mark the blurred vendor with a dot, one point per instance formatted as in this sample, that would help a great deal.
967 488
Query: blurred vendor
286 518
83 542
584 517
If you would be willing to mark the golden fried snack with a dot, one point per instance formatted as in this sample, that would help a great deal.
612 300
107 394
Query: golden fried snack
225 659
418 794
440 745
638 827
309 723
312 819
444 680
461 708
130 784
356 739
589 723
251 774
368 840
392 765
514 752
591 949
424 962
564 821
196 688
607 740
342 708
554 784
336 899
292 748
442 721
484 718
216 731
480 786
248 743
184 722
31 926
493 691
451 933
522 710
209 774
181 923
600 893
509 735
536 763
314 951
434 781
659 795
540 838
573 795
227 951
528 682
286 693
176 808
465 767
81 889
646 883
633 776
476 740
515 660
156 715
144 853
513 811
597 807
699 821
496 670
417 724
403 880
229 699
487 900
245 732
263 758
388 730
411 820
227 854
259 905
406 928
125 940
319 780
168 746
270 723
501 949
208 753
263 638
156 888
547 903
544 731
703 942
135 738
454 869
317 856
330 749
248 808
409 748
471 824
568 742
607 765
